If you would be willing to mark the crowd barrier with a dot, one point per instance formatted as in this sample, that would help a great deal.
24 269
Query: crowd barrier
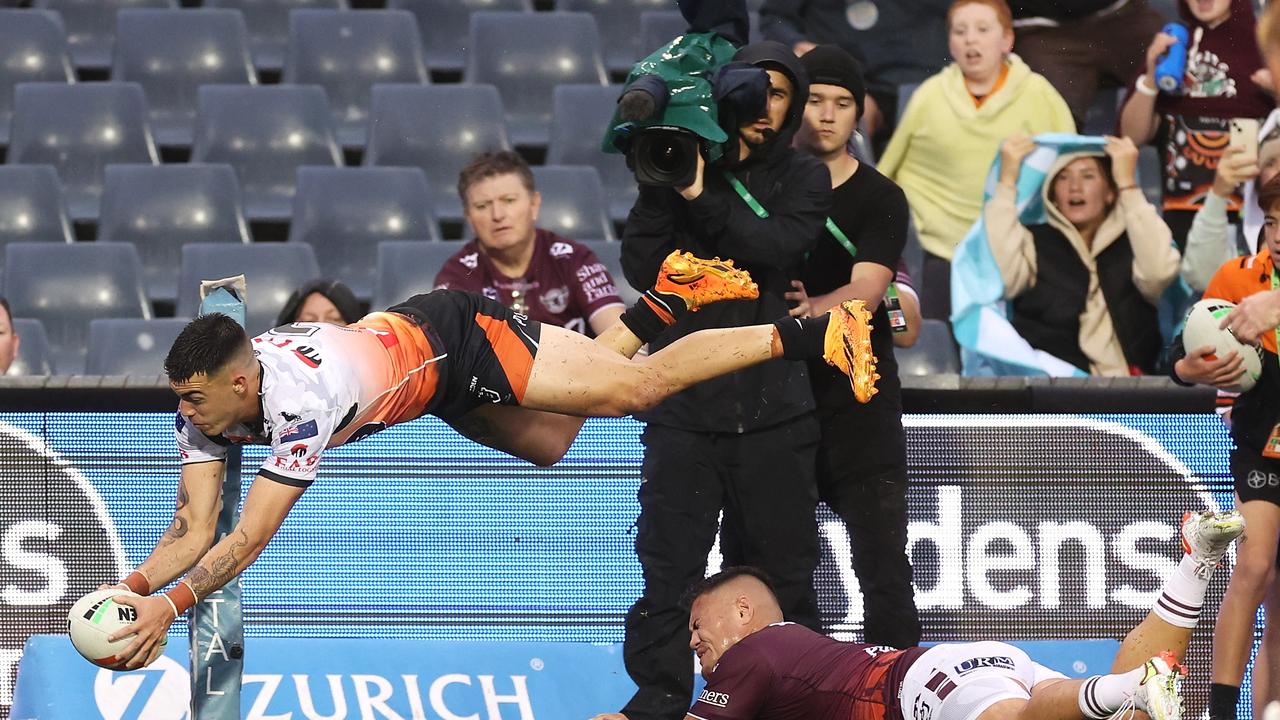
1040 511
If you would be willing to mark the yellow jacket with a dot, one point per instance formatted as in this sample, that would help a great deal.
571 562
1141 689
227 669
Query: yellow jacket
944 146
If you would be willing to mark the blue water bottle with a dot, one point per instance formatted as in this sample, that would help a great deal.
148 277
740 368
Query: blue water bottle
1172 65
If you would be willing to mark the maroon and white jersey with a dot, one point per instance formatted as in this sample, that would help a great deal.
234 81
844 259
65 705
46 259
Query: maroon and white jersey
789 672
565 284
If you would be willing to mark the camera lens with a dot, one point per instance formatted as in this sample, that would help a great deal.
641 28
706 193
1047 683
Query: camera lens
665 157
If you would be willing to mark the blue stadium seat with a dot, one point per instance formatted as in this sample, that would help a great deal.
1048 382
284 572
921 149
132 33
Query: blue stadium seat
444 25
273 271
66 286
173 52
1103 114
265 133
159 208
525 55
79 129
618 20
32 207
33 48
610 253
268 22
572 202
33 357
913 253
346 53
437 128
933 354
130 347
407 268
659 27
1149 174
91 26
579 116
344 212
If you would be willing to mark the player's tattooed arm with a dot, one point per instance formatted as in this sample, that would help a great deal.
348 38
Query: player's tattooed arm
265 508
221 568
189 535
180 525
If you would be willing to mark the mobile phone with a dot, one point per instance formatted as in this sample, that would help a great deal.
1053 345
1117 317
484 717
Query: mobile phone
1244 135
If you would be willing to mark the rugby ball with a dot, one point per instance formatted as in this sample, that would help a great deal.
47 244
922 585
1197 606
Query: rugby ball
1202 329
96 616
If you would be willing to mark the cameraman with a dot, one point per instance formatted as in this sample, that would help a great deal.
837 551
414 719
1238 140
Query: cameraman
745 443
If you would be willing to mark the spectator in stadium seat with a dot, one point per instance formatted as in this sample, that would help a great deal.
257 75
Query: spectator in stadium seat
9 339
1224 80
535 272
1254 430
1213 239
745 444
872 32
1084 286
865 483
952 129
1079 45
321 301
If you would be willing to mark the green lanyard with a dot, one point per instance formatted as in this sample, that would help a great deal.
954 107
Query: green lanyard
761 213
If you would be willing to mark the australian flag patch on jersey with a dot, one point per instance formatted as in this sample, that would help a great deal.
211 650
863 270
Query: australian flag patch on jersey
299 432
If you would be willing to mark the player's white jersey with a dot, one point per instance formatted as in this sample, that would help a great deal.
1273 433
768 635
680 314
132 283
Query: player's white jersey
323 386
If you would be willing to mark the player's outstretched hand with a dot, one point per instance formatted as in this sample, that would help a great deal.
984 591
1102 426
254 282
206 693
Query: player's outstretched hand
610 716
155 615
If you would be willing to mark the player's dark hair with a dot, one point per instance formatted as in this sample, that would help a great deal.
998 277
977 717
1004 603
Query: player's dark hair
491 164
1269 194
205 346
724 577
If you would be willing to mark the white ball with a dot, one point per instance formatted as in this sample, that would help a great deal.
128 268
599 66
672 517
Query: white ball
1202 329
96 616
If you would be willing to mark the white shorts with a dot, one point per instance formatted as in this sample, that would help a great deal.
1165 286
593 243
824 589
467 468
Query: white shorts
959 681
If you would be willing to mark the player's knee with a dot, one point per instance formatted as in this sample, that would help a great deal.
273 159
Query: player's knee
634 391
1252 572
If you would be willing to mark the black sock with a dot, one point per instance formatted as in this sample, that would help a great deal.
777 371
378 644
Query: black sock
1222 701
802 338
653 313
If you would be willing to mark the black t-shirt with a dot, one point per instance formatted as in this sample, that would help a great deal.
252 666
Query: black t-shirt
872 211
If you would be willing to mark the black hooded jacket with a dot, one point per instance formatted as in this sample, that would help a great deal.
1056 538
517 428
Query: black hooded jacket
796 190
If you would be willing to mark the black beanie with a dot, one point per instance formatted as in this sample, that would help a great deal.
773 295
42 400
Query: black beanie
832 65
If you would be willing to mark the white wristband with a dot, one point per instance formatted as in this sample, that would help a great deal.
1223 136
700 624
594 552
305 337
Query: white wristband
1144 86
171 605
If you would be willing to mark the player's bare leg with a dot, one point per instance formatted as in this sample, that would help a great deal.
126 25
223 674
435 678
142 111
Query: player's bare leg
1255 557
543 437
1265 679
1206 538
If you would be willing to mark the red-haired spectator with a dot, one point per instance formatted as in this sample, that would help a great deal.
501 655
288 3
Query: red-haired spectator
952 129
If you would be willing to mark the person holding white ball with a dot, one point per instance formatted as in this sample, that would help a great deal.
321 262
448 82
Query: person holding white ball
1255 428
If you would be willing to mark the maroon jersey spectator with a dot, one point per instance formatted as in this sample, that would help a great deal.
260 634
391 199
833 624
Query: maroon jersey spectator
789 672
534 272
565 283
